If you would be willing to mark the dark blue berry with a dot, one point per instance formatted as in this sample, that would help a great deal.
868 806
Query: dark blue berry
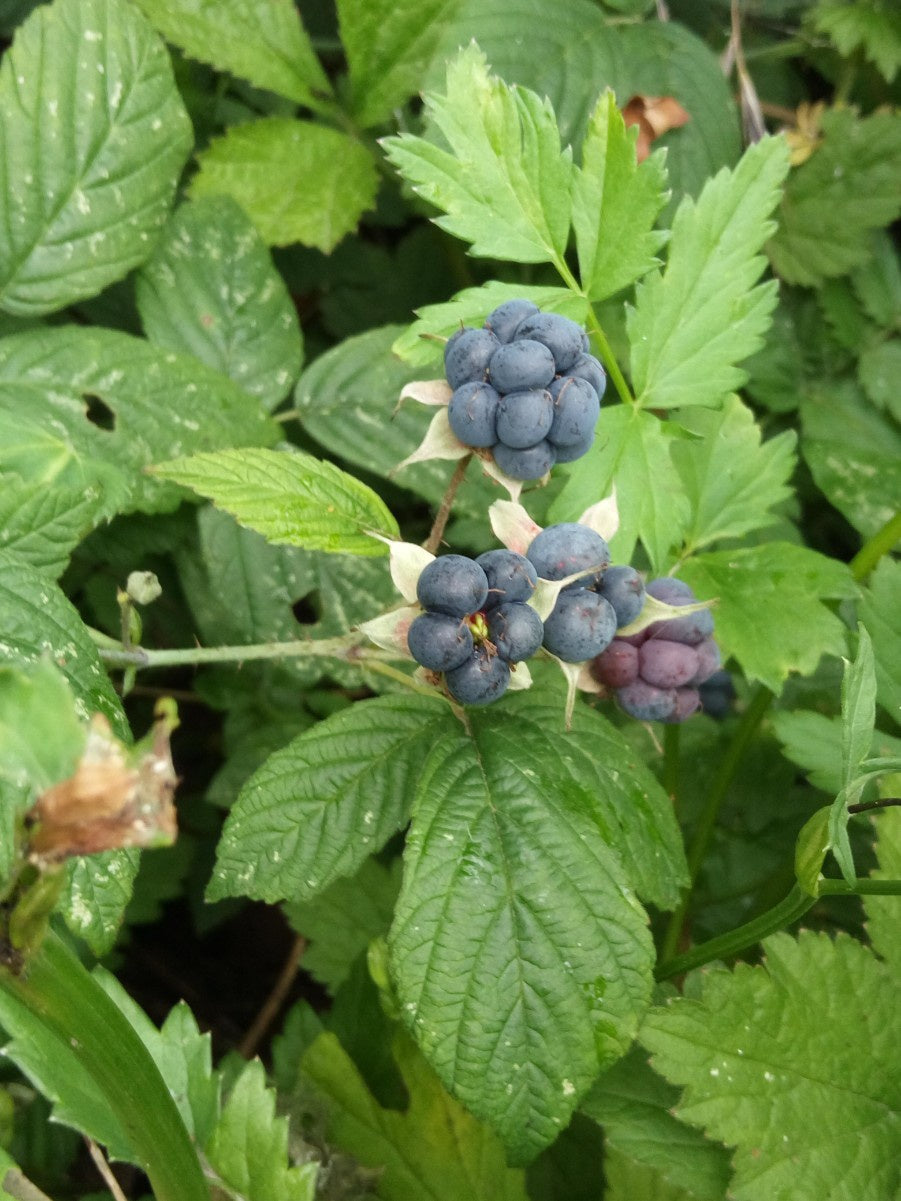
516 631
472 413
524 418
454 585
483 678
624 589
503 320
562 337
467 355
576 409
529 464
439 642
511 577
564 549
520 366
581 626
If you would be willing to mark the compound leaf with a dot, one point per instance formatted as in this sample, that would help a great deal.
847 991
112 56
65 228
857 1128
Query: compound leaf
262 41
634 1105
89 409
880 613
39 622
210 290
249 1147
615 204
767 1056
95 135
733 482
520 955
706 312
388 46
853 452
291 498
850 185
297 181
504 184
770 614
433 1149
634 453
868 25
318 808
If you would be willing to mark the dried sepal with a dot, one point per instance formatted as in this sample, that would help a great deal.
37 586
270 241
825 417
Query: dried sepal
117 797
586 681
546 592
655 610
602 517
434 392
407 561
520 678
389 631
440 442
512 525
513 487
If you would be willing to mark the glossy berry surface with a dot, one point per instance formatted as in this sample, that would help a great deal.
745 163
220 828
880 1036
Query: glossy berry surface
511 577
561 550
439 642
454 585
516 630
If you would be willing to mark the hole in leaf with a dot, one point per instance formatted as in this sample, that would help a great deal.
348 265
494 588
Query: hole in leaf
99 413
306 609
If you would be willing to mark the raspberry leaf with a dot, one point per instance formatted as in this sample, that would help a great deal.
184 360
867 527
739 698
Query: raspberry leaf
879 611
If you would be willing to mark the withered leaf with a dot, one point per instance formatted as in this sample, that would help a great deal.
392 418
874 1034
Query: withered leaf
654 116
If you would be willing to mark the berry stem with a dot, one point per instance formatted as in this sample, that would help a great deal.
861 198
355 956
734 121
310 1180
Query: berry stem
436 533
349 647
607 355
874 548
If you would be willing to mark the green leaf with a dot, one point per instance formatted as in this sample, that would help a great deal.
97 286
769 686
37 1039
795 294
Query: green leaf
814 743
628 1180
879 371
298 182
858 718
41 525
811 849
615 204
504 184
884 913
91 408
249 1147
433 1149
347 399
578 42
520 955
418 344
850 185
388 44
878 281
289 497
95 895
633 452
321 806
38 622
854 454
262 41
210 290
634 1105
772 1065
95 135
694 322
342 921
770 614
879 612
732 480
868 25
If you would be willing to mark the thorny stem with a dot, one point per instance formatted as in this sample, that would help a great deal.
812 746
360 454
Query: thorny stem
436 533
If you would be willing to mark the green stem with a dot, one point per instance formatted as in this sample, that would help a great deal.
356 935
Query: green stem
600 337
724 946
859 888
671 762
719 787
59 993
348 647
877 546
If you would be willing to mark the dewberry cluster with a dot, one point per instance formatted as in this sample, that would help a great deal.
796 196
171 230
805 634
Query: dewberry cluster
476 622
525 386
656 673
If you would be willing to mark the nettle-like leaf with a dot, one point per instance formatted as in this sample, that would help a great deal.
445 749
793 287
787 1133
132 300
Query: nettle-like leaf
764 1068
706 312
853 452
249 1147
289 497
814 742
340 923
878 370
629 1180
770 613
95 135
41 525
262 41
96 892
433 1149
39 622
635 1107
733 481
318 808
867 25
388 46
520 955
504 185
884 913
881 614
878 281
615 204
210 290
91 408
635 455
297 181
850 185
